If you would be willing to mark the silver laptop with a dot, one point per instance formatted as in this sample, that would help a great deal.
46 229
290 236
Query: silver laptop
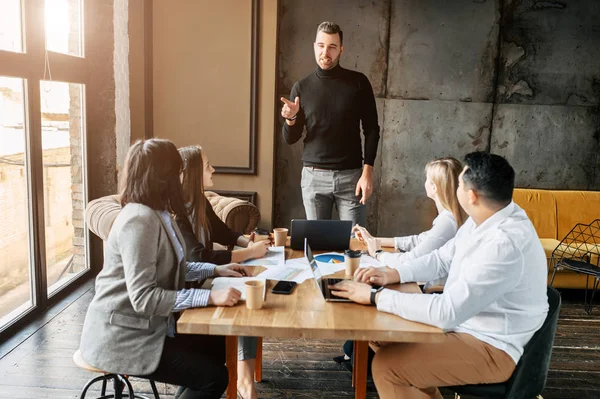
322 283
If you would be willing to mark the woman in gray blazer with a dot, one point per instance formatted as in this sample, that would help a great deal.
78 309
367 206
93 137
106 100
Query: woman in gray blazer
130 323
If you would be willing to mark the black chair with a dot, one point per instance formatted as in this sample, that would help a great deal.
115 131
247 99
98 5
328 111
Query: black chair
529 377
579 252
119 382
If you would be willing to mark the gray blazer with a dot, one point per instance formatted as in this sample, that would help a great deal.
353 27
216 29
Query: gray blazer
126 323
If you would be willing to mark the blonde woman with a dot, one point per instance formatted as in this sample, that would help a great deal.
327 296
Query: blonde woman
440 185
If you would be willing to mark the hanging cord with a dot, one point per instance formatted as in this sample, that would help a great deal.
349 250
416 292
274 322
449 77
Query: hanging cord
46 64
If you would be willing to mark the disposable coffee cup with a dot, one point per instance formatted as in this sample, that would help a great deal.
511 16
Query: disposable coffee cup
351 261
280 236
261 234
254 294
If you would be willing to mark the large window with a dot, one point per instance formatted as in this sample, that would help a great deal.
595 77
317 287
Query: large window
43 184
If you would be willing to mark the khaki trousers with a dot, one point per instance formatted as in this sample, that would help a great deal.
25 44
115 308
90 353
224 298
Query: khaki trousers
415 370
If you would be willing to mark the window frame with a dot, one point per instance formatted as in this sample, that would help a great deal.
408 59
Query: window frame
29 65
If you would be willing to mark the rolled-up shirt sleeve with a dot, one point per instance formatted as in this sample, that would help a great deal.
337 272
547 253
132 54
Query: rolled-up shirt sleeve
191 298
199 271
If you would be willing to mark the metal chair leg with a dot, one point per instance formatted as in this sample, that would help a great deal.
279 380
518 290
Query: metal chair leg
553 273
118 386
126 382
92 382
588 305
103 391
154 390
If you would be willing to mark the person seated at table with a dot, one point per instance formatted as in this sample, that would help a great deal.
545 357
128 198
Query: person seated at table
493 302
200 227
440 185
129 327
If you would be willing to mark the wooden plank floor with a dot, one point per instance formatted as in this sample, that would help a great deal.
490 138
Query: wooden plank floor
38 364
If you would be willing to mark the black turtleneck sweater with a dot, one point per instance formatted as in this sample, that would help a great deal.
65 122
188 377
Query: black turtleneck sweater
333 103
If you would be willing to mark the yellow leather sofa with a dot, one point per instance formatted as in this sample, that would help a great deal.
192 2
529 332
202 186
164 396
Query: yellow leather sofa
554 213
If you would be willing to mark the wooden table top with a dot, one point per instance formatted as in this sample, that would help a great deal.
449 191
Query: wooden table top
305 314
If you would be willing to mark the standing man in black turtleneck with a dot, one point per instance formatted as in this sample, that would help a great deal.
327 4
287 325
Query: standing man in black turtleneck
332 102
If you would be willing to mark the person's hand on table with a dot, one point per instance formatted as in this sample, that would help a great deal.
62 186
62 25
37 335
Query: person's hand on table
259 248
356 292
224 297
377 275
232 270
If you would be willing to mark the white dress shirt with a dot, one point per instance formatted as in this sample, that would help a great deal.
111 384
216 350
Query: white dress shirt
443 229
496 287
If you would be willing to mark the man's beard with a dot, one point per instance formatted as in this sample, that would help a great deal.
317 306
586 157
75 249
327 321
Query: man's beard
333 63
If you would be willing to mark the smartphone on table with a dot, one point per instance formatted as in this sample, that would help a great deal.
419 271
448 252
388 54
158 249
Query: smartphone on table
284 287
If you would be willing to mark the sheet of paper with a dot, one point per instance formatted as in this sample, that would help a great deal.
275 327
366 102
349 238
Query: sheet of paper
275 257
287 273
237 283
299 263
330 267
368 261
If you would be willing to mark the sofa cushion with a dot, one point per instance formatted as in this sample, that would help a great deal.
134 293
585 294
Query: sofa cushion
238 215
549 245
574 207
540 206
241 216
101 213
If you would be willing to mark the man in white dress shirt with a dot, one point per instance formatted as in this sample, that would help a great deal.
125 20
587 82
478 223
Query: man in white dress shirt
493 302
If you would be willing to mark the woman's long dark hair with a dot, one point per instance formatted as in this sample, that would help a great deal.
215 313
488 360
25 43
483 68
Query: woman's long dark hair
151 176
193 188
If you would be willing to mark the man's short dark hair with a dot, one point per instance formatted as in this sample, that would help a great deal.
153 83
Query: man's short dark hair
490 175
331 29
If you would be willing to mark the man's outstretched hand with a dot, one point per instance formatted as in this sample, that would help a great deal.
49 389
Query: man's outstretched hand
290 109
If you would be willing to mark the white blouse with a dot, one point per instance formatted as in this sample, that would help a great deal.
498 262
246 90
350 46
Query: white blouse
444 228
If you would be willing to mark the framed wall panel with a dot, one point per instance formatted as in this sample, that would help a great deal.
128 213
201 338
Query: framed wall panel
205 79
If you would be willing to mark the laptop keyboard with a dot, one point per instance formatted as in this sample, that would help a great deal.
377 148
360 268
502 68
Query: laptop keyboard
327 291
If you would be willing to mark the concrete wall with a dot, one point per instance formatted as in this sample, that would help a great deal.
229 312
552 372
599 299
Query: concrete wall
519 78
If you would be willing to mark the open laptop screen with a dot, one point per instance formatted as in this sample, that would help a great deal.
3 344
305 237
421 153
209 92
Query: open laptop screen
311 261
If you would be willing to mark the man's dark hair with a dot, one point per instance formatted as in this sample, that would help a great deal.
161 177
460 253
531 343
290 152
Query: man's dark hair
490 175
331 29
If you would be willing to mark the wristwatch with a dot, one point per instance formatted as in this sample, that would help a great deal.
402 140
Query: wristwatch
376 254
374 291
293 118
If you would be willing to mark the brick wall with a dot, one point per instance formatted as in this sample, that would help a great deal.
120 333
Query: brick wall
63 211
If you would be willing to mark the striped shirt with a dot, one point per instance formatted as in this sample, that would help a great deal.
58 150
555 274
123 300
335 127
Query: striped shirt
193 297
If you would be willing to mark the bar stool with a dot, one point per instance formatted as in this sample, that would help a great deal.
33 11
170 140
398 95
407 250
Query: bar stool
119 381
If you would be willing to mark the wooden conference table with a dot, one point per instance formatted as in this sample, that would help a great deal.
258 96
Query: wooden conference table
304 314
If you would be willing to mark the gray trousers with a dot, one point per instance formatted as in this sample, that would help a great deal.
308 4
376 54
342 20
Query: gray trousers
247 348
321 189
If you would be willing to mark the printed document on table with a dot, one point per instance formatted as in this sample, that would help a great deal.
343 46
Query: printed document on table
287 273
237 283
275 257
330 268
368 261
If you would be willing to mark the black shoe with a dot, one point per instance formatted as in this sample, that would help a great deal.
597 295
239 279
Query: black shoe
340 359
